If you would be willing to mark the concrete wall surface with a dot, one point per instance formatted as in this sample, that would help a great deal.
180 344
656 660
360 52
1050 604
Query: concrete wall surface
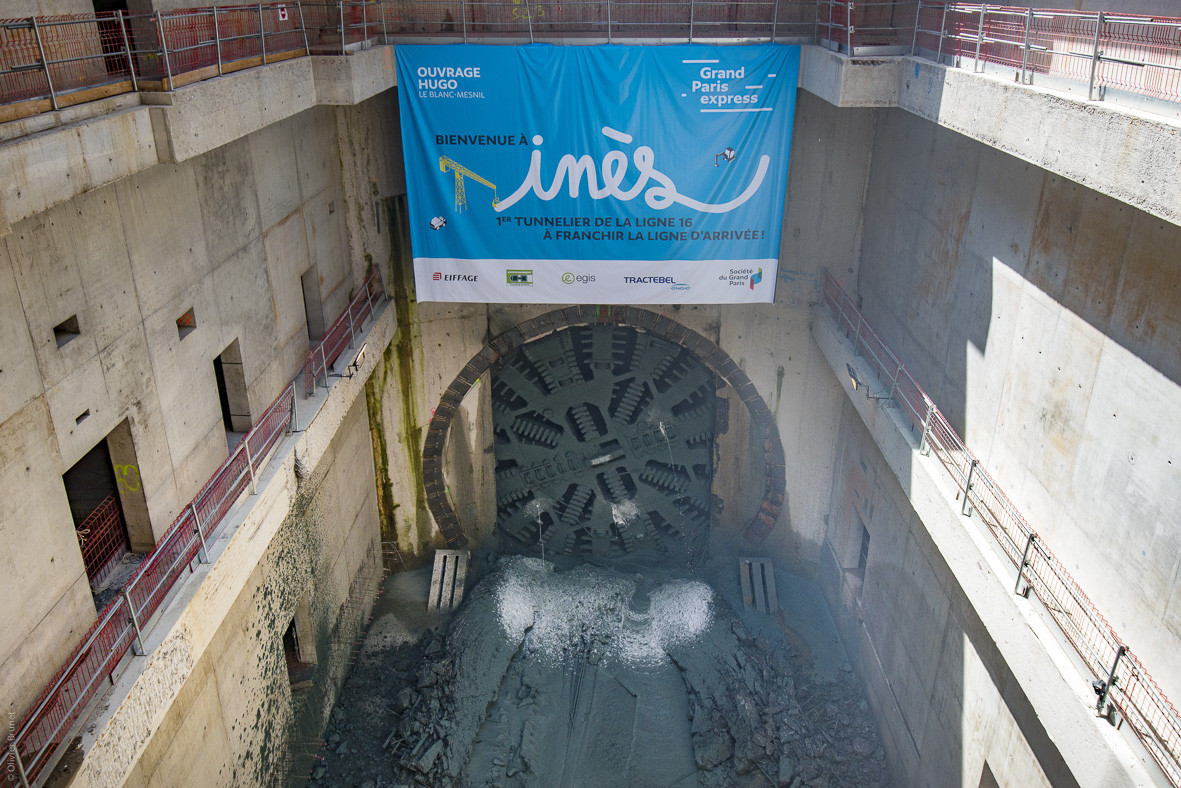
216 680
1042 318
228 235
1127 154
964 676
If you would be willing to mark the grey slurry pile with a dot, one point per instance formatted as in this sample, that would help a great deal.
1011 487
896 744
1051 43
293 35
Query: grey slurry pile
593 677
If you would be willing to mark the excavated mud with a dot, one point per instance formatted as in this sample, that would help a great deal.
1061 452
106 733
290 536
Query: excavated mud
596 677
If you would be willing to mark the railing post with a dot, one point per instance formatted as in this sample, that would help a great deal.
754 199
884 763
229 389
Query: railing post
323 364
925 441
20 766
692 16
942 27
164 49
307 49
340 6
262 35
529 19
385 35
894 382
979 37
203 555
608 21
44 62
349 313
914 40
1025 48
293 425
775 22
127 49
250 464
1103 688
966 509
1017 589
463 14
137 645
217 40
849 26
1095 57
364 24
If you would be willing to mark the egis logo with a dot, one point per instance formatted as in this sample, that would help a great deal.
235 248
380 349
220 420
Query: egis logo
756 278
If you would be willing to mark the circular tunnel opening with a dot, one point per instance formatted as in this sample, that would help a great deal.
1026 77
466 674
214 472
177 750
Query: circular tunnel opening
604 446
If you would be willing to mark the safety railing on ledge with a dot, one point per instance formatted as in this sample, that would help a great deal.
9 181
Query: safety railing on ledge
1136 54
1120 679
32 747
119 627
341 334
47 63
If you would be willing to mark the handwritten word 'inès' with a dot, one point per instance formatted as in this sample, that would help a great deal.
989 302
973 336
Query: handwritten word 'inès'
660 195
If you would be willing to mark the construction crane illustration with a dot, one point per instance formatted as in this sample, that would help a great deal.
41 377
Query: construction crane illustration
460 171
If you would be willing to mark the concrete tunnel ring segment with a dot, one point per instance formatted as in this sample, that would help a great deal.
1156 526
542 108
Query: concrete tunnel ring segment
708 352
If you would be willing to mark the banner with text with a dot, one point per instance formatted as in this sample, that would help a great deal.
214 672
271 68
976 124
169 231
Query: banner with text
607 174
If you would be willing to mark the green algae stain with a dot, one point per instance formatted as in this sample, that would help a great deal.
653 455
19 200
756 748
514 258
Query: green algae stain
407 345
386 505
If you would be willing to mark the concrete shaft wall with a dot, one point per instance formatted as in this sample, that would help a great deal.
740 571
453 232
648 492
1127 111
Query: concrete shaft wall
914 636
226 234
237 708
1042 318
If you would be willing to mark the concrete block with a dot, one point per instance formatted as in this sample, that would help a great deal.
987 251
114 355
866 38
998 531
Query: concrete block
273 164
51 291
81 392
354 78
287 257
209 114
45 169
165 242
229 205
20 374
317 158
90 235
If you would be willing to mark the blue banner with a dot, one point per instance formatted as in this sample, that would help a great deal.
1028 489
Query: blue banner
607 174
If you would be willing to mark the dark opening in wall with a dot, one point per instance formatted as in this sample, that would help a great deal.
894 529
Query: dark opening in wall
231 391
66 330
186 324
313 308
863 555
299 650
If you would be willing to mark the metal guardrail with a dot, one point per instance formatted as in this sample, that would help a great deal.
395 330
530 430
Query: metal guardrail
103 540
1120 680
47 63
1132 53
37 741
341 334
119 628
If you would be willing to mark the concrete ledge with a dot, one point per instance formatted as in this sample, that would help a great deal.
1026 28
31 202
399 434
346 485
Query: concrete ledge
1049 700
1129 155
209 114
352 79
52 166
189 622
